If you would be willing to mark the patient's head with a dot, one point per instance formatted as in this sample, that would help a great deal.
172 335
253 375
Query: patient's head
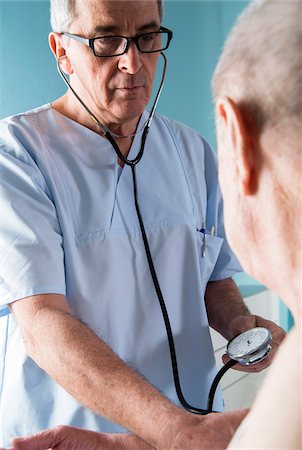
257 89
261 63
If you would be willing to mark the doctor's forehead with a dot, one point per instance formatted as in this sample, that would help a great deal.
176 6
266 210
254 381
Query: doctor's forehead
117 15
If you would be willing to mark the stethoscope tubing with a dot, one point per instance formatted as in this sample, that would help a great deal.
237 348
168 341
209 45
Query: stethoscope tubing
222 371
133 163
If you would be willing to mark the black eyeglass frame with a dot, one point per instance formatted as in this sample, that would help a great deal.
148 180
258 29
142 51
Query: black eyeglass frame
90 41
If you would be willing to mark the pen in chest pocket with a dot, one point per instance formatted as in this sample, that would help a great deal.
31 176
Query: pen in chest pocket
203 231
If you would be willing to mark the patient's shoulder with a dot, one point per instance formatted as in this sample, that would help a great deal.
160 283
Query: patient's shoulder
275 417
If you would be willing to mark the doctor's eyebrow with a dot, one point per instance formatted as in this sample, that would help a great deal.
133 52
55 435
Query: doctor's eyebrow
151 26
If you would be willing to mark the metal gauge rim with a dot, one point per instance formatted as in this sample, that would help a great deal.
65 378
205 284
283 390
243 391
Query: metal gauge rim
252 353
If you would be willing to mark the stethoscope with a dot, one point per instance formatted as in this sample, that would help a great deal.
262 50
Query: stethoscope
247 348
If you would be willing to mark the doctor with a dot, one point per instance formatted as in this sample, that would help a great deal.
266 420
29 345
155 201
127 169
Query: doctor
83 337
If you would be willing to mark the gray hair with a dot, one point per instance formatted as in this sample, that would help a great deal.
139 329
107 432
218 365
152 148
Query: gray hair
260 66
64 12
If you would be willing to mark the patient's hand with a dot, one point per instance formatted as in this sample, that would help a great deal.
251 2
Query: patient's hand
70 438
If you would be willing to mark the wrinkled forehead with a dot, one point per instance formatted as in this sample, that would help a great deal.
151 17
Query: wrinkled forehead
118 16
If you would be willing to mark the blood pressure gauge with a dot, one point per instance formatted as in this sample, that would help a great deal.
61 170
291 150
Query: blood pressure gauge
251 346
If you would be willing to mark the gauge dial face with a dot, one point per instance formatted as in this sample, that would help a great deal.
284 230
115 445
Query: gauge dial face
249 342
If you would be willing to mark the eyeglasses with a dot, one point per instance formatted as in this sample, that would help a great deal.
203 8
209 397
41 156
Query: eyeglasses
107 46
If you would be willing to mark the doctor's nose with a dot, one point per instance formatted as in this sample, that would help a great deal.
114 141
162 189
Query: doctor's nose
130 62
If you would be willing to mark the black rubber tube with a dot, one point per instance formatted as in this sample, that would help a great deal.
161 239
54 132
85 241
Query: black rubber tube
165 315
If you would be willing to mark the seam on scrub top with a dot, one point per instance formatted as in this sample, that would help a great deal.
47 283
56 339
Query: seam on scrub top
31 162
117 177
2 374
134 232
182 163
12 158
225 274
14 134
35 166
37 290
30 112
37 171
66 193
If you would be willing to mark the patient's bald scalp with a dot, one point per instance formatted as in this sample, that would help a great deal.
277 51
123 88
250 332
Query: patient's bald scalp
261 64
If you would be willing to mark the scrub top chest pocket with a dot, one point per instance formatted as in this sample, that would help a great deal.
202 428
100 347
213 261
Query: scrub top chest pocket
208 249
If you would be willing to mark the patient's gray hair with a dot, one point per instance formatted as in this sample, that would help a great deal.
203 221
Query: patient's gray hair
64 12
261 64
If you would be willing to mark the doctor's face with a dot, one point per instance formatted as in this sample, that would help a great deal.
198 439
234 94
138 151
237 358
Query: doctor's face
116 88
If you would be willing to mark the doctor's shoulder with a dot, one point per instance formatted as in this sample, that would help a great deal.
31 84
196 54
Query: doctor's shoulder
188 140
20 134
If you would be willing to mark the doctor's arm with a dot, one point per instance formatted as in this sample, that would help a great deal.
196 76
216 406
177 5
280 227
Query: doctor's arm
228 314
91 372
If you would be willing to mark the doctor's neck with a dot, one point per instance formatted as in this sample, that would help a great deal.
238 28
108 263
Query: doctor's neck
70 107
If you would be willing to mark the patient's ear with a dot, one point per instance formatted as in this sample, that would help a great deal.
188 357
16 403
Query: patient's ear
238 140
58 48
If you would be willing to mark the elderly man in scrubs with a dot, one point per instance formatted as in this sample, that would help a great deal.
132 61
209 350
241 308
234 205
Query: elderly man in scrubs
82 336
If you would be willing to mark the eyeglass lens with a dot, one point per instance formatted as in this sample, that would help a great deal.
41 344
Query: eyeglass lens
116 45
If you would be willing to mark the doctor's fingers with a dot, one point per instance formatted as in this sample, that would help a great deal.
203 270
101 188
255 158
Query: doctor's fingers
243 323
278 335
253 368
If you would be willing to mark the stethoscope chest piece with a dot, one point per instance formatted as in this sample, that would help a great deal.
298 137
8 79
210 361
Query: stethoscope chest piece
250 347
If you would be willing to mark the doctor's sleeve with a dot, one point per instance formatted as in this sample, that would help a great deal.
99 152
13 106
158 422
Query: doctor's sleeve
31 251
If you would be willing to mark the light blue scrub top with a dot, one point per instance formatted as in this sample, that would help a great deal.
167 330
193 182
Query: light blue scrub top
68 226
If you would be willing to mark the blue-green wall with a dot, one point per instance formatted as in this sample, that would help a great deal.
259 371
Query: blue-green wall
200 28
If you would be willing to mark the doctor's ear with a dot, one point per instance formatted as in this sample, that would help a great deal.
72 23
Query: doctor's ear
57 46
238 141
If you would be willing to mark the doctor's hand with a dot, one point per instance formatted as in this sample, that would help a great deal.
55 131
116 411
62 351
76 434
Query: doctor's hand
71 438
244 323
212 431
